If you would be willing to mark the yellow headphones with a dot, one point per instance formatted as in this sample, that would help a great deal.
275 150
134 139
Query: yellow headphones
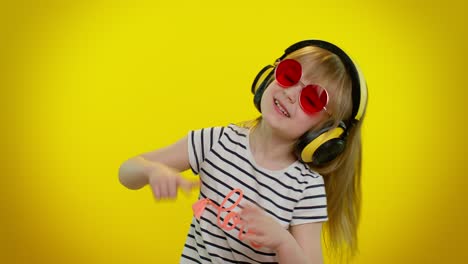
322 146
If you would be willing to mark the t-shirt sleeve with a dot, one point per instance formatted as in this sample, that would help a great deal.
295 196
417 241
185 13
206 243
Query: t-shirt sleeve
312 207
200 143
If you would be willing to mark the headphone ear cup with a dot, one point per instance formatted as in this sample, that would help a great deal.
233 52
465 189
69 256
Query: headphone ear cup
328 151
261 82
323 146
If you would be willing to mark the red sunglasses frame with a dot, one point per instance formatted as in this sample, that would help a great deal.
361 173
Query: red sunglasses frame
313 97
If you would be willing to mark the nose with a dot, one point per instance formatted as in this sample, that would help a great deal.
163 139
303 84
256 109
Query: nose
292 93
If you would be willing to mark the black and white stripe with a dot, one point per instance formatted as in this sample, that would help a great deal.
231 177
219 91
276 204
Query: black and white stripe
222 158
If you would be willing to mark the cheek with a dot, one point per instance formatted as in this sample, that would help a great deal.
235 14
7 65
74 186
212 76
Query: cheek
267 95
306 122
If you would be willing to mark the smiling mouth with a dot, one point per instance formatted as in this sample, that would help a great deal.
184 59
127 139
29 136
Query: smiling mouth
281 108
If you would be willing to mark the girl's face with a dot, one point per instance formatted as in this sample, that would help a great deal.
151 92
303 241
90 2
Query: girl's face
282 111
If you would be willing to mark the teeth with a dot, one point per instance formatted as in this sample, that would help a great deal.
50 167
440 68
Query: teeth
281 108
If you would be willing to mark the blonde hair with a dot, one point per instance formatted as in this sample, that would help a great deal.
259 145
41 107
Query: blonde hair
342 176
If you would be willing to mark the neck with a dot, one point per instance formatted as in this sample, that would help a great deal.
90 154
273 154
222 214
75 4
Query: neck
269 149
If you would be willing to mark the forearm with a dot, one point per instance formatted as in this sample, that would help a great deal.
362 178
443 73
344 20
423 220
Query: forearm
133 173
291 252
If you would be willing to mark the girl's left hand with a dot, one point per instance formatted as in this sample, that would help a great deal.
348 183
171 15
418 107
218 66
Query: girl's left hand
262 228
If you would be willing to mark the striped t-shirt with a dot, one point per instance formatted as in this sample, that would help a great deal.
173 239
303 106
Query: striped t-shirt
222 158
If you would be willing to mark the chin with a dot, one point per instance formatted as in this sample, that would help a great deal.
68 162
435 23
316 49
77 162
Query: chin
279 126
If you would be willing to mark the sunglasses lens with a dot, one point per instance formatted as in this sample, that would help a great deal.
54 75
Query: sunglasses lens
313 98
288 73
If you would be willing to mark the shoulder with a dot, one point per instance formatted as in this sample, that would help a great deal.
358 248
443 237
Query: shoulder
222 129
233 129
303 172
211 136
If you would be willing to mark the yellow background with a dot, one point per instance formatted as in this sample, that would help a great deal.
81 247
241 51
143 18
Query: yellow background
87 84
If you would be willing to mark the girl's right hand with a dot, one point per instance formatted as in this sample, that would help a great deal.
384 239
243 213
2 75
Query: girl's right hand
165 181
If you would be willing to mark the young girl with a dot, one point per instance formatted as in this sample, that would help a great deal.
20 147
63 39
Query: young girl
263 182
